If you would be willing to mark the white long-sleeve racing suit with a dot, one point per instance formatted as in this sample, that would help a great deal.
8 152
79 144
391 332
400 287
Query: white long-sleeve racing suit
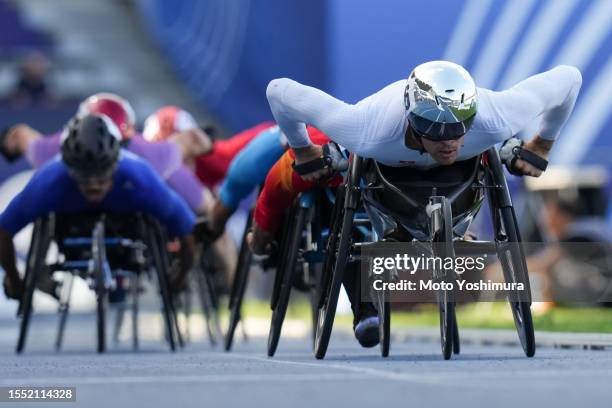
375 127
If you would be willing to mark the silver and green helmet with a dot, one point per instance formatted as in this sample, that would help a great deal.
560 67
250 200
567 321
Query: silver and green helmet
441 100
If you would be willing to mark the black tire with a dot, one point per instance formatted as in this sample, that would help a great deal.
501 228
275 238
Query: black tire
35 262
135 311
456 339
101 320
521 311
208 301
99 262
384 313
445 302
285 274
239 285
336 259
64 310
161 271
506 231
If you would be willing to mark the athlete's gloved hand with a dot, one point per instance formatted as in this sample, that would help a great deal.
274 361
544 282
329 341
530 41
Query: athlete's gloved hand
523 159
13 288
320 162
204 233
260 241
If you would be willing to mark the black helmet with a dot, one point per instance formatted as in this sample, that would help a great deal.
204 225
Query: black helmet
90 145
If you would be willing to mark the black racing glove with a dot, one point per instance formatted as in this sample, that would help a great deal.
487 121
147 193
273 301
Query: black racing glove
204 233
332 159
512 150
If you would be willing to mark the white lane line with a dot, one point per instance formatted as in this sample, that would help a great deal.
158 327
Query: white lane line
166 379
390 375
429 377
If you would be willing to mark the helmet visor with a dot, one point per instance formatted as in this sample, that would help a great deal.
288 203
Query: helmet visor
439 131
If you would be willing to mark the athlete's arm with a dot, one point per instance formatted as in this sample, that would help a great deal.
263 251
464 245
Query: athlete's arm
41 149
551 95
165 205
186 185
294 105
36 199
172 211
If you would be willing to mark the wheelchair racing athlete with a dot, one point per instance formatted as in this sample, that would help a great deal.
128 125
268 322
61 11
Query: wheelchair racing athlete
210 157
251 154
94 174
434 118
164 157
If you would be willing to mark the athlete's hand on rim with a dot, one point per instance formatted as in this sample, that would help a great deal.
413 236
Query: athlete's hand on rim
539 146
309 153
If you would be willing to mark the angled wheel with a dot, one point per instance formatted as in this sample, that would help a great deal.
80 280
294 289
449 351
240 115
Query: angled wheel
444 247
510 251
335 261
161 272
99 271
515 270
135 288
239 285
208 298
284 275
456 339
64 309
384 328
34 265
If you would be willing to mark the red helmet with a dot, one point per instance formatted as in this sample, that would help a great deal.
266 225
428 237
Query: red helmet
115 107
166 121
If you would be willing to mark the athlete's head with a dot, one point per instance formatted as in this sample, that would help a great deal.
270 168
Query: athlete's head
115 107
167 121
90 149
441 101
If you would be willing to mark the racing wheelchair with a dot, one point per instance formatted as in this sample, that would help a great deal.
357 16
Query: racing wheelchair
299 250
302 254
101 249
430 210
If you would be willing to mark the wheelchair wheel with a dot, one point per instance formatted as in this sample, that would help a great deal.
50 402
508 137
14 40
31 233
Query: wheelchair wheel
515 270
511 256
35 262
161 272
135 288
444 240
284 275
456 339
64 309
239 284
99 265
384 328
208 299
336 259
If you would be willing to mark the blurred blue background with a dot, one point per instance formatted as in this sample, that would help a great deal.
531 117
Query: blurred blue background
228 50
215 57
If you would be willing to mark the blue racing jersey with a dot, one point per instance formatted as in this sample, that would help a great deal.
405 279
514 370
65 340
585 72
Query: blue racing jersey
136 188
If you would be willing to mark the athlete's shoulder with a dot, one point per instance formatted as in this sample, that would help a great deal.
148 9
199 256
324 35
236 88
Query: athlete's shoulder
489 116
393 92
131 165
52 170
